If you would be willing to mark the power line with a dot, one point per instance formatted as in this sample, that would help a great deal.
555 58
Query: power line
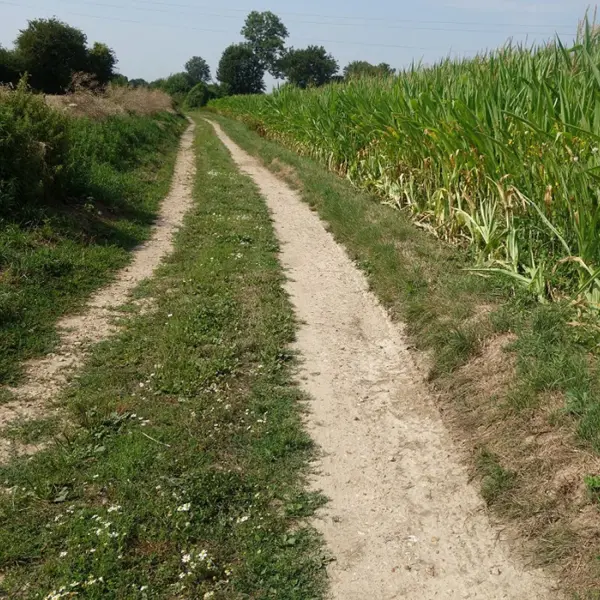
341 17
411 25
192 28
407 23
210 30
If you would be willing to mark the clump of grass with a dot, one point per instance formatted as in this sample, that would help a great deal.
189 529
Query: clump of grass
499 151
184 478
496 480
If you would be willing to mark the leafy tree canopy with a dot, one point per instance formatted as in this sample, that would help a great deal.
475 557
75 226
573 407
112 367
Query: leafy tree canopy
198 70
241 71
310 66
136 83
362 68
51 51
9 67
266 35
101 63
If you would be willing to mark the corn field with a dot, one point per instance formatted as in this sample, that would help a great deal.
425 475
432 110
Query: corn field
499 152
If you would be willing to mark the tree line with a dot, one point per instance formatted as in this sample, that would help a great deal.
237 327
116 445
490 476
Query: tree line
53 53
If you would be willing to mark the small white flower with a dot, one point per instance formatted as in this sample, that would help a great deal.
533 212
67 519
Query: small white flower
184 507
141 385
63 554
114 508
186 558
594 150
143 588
243 519
170 315
208 595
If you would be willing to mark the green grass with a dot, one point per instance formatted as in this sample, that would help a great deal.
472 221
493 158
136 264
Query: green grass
185 474
451 313
499 151
55 251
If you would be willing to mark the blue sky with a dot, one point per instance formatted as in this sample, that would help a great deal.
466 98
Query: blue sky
153 38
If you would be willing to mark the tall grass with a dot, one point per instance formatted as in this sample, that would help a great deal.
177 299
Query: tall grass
500 152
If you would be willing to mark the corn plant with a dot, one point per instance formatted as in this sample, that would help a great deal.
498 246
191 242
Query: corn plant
500 152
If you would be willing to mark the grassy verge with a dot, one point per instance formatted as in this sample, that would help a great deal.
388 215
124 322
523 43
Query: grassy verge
518 381
183 478
68 222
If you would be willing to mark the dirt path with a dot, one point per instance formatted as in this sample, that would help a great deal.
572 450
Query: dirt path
403 521
47 376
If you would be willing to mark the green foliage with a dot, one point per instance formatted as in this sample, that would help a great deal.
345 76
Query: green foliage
240 70
501 151
198 70
119 80
51 51
266 35
362 68
101 63
135 83
34 153
199 470
177 85
75 196
309 67
198 96
9 67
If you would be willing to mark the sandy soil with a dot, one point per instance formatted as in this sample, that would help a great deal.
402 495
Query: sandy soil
403 520
47 376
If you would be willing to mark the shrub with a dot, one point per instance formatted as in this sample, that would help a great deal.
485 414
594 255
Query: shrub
198 97
33 150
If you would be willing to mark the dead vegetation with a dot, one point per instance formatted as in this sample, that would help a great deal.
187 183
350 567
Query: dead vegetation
531 465
114 100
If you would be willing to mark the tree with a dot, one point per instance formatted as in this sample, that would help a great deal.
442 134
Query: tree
51 51
137 83
266 36
241 71
10 70
178 84
119 80
362 68
311 66
198 70
101 63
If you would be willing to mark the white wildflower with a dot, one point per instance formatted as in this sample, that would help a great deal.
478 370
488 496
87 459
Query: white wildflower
63 554
184 507
186 558
114 508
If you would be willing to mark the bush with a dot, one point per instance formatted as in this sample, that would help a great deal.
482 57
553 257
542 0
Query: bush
34 150
198 97
48 157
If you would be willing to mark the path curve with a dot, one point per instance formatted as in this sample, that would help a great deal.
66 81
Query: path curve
47 376
403 520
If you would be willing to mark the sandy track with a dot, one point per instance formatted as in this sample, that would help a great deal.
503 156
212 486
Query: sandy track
403 520
47 376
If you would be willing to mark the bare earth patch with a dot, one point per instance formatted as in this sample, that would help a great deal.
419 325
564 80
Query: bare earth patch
403 520
47 376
